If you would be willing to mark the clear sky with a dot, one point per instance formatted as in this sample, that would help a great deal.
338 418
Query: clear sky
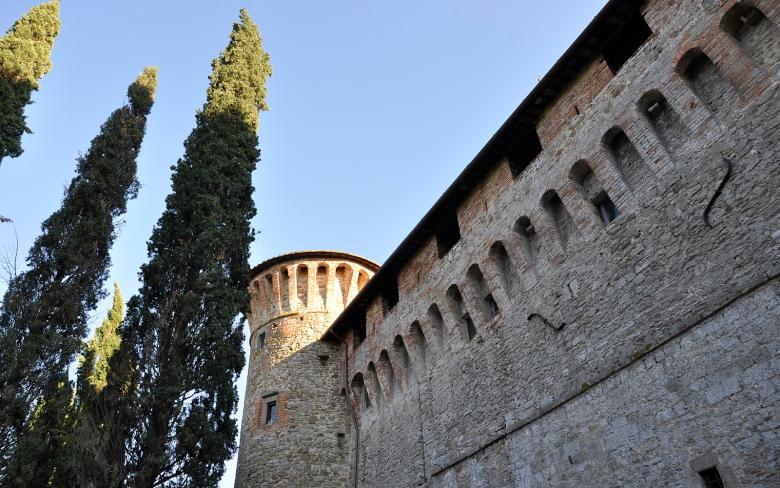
375 109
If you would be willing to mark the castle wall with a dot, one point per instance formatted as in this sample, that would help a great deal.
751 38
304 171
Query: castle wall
621 353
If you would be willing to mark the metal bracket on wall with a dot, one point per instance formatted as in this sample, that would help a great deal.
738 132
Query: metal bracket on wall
708 208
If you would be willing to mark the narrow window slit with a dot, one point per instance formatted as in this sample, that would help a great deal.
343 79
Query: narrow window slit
711 478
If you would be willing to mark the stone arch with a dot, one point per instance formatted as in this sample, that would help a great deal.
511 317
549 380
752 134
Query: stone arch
322 284
284 288
362 279
461 314
561 219
302 285
373 381
666 123
590 188
268 289
420 343
756 34
403 362
503 266
707 81
487 302
359 393
388 375
437 324
343 281
530 244
630 165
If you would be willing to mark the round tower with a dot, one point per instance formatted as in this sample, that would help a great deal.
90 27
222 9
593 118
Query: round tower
295 428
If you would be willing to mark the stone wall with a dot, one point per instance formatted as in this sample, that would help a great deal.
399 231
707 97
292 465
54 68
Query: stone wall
551 348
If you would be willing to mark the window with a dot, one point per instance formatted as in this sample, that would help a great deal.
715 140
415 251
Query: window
625 42
711 478
448 234
606 207
270 412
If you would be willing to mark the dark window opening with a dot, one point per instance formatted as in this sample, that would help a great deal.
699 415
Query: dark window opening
608 211
525 150
492 306
625 42
366 400
448 234
270 412
471 329
711 478
359 331
260 341
389 296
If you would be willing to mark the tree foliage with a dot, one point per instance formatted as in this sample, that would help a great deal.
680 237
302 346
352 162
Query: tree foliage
92 373
25 56
45 309
182 337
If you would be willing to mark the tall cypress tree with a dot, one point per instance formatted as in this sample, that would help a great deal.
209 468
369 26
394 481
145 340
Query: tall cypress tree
25 53
183 332
45 309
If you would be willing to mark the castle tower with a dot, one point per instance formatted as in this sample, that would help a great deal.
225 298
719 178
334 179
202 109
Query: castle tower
296 429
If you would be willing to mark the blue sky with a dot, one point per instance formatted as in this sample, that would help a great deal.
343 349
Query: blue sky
375 109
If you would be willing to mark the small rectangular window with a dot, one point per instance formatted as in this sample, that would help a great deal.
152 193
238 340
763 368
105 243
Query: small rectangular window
270 412
625 42
260 345
448 234
711 478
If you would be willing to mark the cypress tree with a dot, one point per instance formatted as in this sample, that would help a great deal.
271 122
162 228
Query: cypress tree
25 53
45 309
182 337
